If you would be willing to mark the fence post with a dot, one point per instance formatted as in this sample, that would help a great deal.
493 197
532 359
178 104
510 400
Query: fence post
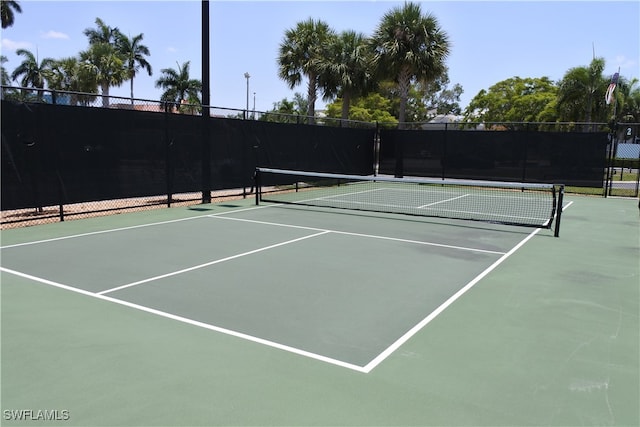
168 143
443 158
206 104
612 149
525 152
376 150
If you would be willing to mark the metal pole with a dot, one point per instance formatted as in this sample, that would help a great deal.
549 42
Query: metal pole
206 84
246 111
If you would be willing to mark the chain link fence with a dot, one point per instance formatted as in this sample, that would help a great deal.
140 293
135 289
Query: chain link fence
623 179
68 155
66 163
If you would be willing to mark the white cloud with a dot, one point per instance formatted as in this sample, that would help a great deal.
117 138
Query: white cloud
54 35
172 49
13 45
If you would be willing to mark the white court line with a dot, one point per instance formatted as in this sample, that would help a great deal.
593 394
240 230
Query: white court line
370 236
403 339
400 341
441 192
443 201
458 211
366 369
333 196
207 264
132 227
190 321
349 202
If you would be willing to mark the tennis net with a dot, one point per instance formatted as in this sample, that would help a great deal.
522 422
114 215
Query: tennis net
512 203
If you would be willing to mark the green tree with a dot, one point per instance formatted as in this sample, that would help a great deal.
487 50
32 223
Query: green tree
513 100
102 33
107 65
104 56
5 75
286 111
409 46
371 108
134 53
304 52
629 111
425 99
283 111
301 103
70 74
440 98
7 93
349 73
581 94
179 86
7 8
33 73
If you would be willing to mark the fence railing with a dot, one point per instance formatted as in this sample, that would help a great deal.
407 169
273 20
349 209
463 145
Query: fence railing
624 131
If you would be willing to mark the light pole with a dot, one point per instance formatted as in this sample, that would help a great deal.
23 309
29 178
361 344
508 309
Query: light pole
246 76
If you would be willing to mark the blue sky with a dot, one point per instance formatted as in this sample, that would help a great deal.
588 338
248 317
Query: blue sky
491 41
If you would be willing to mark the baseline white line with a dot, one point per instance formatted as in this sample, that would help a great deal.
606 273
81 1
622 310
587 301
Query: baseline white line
207 264
132 227
190 321
92 233
370 236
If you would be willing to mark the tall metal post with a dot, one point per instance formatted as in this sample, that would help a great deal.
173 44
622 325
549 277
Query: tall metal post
206 134
246 111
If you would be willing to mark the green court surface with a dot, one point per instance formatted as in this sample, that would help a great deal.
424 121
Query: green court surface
236 314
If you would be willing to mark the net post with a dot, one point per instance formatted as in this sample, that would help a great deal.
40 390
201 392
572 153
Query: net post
556 232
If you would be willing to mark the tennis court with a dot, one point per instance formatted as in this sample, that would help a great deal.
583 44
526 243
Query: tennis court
237 314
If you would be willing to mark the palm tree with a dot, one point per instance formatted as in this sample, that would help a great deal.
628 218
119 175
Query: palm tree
178 86
7 93
70 74
33 73
286 111
630 110
304 52
5 75
581 93
349 73
408 45
102 33
6 7
134 52
103 54
107 65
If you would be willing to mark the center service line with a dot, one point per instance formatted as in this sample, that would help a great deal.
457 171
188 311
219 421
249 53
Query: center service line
206 264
